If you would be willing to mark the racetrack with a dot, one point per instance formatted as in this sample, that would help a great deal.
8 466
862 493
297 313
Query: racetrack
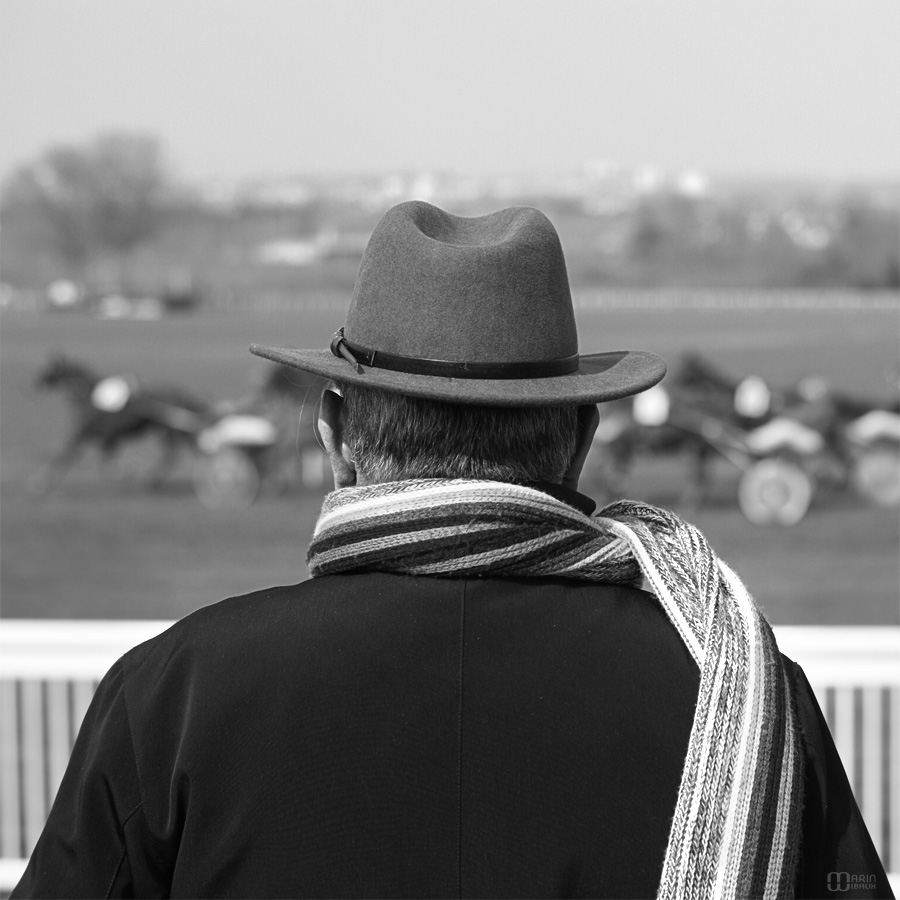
111 549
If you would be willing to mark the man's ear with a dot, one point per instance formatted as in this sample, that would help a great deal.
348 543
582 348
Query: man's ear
330 432
588 420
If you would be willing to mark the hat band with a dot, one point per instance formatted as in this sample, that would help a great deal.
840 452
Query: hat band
362 356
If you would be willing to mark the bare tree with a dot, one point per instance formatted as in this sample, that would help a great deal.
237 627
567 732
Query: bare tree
93 201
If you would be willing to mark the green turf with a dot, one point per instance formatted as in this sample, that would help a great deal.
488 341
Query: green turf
110 549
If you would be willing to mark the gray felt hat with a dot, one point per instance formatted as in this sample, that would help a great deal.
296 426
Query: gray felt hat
469 310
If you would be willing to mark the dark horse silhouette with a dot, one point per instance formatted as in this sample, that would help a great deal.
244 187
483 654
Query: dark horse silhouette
289 398
708 411
696 415
286 399
111 410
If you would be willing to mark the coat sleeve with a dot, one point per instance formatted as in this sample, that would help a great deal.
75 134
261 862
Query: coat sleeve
835 841
94 843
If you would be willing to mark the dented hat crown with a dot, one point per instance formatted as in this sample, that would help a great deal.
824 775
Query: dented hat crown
469 310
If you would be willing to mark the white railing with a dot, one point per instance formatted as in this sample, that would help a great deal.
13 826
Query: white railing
49 670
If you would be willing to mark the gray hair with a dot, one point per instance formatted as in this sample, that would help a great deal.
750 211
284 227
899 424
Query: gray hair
394 437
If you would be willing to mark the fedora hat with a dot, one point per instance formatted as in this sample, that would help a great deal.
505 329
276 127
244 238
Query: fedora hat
469 310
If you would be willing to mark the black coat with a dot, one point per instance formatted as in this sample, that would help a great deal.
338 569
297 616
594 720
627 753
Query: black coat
383 735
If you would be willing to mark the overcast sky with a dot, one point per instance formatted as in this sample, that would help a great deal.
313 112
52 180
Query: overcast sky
243 88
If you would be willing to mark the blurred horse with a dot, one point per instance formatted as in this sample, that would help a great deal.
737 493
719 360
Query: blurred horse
702 412
862 436
112 410
274 426
289 398
699 410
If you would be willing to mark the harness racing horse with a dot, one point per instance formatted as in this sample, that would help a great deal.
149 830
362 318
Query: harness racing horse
288 398
698 407
111 410
702 412
264 441
863 438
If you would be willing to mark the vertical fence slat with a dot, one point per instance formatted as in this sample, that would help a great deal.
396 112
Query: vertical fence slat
892 857
10 797
872 794
33 786
842 729
82 692
856 776
825 696
58 746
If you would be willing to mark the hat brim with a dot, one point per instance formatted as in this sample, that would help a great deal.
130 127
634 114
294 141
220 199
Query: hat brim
600 377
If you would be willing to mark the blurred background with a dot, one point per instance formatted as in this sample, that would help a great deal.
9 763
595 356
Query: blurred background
180 180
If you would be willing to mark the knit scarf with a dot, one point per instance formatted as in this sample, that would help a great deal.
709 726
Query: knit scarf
736 827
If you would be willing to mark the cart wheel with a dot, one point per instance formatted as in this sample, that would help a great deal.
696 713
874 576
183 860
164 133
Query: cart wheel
876 475
227 479
775 491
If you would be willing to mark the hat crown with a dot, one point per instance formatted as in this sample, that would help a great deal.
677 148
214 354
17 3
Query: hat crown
469 310
494 288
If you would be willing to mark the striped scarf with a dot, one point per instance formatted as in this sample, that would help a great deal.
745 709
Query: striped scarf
736 827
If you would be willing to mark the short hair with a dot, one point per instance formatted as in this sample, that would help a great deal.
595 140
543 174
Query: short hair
394 437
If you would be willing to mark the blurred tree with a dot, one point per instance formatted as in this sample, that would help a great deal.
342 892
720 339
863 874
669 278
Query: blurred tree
95 201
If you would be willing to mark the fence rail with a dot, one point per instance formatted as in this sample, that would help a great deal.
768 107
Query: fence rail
49 670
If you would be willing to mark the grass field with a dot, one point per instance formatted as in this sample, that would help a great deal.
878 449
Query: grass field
110 549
